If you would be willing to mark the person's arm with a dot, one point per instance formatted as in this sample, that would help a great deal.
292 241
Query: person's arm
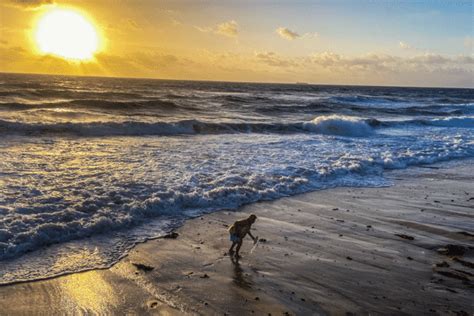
250 234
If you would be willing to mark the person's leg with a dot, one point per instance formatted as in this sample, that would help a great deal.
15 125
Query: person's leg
238 248
231 250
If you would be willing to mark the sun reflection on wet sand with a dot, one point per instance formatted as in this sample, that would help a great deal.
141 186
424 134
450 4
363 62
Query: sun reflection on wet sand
88 291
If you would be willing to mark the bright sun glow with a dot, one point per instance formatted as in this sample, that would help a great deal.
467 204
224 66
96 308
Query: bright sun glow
68 34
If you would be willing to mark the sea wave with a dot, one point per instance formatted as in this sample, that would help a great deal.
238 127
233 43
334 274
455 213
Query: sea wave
339 125
93 104
456 122
330 125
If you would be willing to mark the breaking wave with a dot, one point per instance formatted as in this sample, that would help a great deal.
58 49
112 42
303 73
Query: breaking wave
338 125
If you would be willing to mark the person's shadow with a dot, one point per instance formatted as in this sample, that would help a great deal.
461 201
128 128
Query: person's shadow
240 278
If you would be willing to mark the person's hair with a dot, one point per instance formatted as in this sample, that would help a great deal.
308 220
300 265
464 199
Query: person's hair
253 217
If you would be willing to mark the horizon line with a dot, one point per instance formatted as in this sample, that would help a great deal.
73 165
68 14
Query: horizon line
241 82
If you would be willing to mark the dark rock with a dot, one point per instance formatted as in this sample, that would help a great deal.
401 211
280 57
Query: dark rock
409 258
143 267
443 264
465 263
454 275
205 276
408 237
466 234
172 235
348 258
452 250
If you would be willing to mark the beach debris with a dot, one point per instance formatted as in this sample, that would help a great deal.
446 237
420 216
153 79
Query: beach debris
348 258
205 276
369 226
257 298
335 209
409 258
262 240
172 235
452 250
153 304
143 267
407 237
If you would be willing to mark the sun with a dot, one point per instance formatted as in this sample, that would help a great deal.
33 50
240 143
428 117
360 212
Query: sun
68 34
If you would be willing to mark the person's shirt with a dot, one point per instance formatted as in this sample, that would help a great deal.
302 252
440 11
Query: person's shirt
240 228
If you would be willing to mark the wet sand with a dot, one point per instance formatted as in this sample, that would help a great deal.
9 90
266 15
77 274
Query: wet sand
344 251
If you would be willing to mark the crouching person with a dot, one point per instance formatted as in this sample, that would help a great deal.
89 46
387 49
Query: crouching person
237 233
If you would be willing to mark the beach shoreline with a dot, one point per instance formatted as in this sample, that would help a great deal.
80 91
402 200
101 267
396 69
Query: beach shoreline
335 251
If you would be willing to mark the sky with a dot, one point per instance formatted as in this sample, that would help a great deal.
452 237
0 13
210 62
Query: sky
366 42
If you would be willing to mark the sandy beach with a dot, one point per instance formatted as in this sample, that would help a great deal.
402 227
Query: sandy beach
343 251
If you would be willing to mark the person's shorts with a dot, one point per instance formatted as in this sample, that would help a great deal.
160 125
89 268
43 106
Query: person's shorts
234 238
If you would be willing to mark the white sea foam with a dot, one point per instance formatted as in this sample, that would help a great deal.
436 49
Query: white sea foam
339 125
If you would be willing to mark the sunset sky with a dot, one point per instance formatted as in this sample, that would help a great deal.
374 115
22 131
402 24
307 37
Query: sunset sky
409 43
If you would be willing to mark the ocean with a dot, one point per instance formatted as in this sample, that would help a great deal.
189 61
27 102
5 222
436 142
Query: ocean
91 166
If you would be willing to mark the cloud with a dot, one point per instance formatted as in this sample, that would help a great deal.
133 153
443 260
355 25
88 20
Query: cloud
275 60
229 29
404 45
287 33
29 4
375 63
310 35
469 42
